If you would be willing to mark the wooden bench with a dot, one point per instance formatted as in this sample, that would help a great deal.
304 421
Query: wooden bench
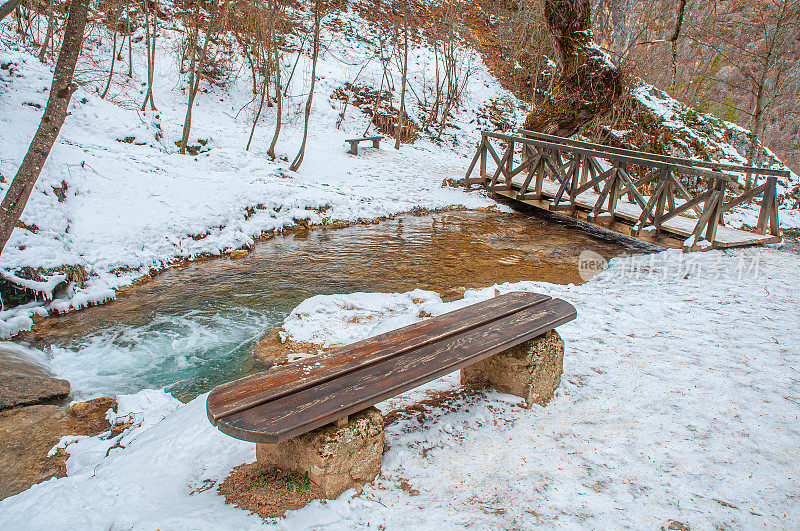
376 141
284 404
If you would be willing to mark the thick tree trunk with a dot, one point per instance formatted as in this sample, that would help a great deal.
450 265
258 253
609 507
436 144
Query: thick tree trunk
589 84
8 7
53 118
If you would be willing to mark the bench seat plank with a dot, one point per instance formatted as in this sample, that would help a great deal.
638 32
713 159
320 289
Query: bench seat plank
379 137
311 407
257 389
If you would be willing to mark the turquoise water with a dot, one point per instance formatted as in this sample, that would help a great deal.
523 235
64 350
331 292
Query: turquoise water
193 327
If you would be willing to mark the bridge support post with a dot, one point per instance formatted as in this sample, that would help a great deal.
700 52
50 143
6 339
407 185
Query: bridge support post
531 370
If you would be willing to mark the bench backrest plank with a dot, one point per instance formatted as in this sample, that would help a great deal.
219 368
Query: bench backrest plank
251 391
309 407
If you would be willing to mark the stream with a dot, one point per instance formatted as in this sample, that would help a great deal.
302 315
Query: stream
192 327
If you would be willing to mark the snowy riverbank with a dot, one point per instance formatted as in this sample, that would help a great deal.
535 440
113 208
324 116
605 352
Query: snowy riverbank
679 401
116 198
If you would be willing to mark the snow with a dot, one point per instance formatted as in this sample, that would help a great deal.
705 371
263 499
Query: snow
679 396
133 204
363 315
678 402
116 198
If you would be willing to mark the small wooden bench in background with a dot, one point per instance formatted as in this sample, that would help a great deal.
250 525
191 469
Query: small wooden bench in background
317 415
376 141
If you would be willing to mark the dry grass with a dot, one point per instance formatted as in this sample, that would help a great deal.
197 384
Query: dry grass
266 490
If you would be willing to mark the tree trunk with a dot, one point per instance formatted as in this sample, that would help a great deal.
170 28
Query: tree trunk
589 84
674 41
196 70
53 118
401 116
264 82
8 8
113 52
278 94
298 160
752 152
150 43
49 33
130 45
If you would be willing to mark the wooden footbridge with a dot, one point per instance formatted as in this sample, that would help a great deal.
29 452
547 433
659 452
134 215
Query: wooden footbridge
668 201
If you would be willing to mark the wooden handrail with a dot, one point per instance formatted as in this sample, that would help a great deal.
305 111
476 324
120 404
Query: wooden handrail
717 166
637 160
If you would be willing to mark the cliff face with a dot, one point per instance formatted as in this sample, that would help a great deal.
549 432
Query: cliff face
719 57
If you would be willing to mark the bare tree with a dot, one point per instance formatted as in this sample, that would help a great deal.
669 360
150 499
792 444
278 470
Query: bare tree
49 32
757 40
113 51
150 43
298 160
8 7
264 82
196 65
401 114
674 40
276 56
53 118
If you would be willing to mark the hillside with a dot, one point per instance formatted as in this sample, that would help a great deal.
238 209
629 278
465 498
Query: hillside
116 200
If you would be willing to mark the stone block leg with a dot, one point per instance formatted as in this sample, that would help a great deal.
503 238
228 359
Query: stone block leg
531 370
335 457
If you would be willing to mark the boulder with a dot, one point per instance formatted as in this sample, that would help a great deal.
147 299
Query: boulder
24 383
27 434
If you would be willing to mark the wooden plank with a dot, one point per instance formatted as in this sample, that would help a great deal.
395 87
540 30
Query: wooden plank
647 211
632 191
534 167
676 182
483 156
708 211
609 186
310 408
474 162
686 206
501 167
766 205
251 391
744 197
596 180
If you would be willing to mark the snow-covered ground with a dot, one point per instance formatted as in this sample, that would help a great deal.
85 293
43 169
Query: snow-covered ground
679 401
116 197
134 204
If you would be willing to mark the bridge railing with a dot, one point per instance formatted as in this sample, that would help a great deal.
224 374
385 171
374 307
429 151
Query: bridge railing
601 175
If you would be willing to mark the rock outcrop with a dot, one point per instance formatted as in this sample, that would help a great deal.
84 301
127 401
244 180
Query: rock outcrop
27 434
24 383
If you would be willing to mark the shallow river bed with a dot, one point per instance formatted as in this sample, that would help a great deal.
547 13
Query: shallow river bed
192 327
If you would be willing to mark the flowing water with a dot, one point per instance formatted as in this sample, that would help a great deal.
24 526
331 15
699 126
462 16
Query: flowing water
193 327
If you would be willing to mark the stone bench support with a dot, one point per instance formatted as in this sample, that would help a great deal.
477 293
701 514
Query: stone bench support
337 457
531 370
